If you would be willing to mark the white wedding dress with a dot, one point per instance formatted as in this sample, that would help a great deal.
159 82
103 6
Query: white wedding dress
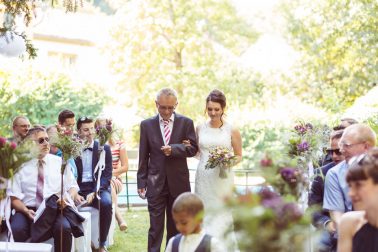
211 188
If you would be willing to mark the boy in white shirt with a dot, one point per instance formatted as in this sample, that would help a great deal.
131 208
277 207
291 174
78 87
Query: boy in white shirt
187 212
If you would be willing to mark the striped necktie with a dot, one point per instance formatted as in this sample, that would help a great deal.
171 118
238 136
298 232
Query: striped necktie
40 182
167 131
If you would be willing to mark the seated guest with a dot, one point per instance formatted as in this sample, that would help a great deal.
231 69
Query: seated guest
187 212
321 218
52 132
358 230
87 178
21 126
66 120
357 139
38 179
120 166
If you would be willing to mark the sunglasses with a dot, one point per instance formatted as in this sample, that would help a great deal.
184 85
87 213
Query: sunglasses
42 140
84 118
336 151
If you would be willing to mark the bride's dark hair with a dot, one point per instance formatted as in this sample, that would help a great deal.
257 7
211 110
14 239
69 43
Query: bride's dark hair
217 96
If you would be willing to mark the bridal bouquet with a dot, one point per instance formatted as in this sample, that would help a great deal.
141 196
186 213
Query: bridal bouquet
221 157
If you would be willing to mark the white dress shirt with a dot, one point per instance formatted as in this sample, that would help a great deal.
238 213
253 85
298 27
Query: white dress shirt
170 125
86 158
24 183
189 243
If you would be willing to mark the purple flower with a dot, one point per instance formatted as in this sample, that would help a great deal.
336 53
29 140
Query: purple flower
266 193
289 174
300 129
3 141
292 211
303 146
273 203
309 126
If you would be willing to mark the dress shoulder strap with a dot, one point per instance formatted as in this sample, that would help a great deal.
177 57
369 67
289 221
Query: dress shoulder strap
176 243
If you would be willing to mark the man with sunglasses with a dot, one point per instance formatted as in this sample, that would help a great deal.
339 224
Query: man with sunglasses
357 139
320 218
37 180
87 179
163 171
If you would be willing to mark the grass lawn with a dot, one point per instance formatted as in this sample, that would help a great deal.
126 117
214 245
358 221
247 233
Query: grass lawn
135 239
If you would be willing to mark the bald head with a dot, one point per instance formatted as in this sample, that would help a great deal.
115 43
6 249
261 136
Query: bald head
362 133
357 139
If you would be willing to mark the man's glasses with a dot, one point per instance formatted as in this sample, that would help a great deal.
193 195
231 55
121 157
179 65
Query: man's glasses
169 108
336 151
42 140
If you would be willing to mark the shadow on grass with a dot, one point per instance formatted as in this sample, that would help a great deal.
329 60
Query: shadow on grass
135 239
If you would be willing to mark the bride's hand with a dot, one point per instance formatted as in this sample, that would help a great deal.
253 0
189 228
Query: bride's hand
186 143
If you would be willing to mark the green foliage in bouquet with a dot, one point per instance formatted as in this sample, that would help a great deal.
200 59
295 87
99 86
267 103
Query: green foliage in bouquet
265 221
12 156
104 132
70 145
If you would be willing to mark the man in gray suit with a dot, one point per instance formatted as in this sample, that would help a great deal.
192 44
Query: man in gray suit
163 171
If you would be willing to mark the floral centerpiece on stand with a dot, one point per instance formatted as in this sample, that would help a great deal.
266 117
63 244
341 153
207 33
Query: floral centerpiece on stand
221 157
70 145
265 221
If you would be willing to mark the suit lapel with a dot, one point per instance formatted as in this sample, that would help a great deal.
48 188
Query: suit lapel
79 166
158 130
174 128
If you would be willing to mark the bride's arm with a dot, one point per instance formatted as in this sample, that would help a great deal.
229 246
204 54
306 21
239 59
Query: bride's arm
236 142
187 143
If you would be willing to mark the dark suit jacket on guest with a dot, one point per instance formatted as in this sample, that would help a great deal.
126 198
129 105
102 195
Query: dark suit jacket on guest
316 196
154 167
106 173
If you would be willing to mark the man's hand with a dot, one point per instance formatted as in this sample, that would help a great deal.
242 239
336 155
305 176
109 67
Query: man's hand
330 227
30 214
142 193
186 143
167 150
79 200
62 203
90 197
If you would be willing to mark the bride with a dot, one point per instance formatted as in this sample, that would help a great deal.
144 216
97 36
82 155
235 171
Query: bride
208 185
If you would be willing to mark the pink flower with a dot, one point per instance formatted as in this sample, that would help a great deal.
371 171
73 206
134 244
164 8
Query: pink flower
266 162
13 145
3 141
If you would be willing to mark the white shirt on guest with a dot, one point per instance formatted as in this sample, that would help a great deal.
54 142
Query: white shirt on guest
170 125
86 158
189 243
24 183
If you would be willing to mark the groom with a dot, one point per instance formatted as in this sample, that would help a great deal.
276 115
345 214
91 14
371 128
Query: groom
163 172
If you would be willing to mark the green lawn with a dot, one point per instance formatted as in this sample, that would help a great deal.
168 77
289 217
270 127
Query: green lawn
135 239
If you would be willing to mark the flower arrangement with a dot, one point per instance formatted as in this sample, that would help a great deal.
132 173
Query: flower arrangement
220 157
284 176
265 221
306 143
12 156
104 132
70 145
